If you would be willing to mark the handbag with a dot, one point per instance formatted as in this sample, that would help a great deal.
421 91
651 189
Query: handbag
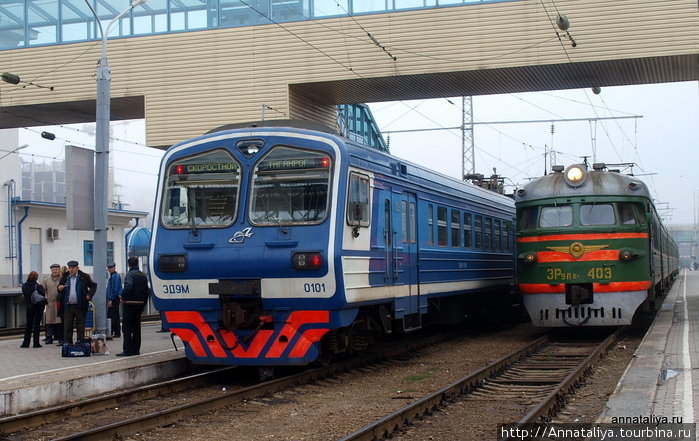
38 299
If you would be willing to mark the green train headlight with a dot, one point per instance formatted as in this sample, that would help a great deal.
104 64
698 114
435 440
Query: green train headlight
575 175
529 257
628 254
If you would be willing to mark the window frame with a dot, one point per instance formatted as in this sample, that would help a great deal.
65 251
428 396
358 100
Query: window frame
252 195
362 180
166 188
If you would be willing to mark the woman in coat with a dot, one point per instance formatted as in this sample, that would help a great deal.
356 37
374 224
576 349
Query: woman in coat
35 311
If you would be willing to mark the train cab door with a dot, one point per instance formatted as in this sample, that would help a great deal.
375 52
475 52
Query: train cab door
401 270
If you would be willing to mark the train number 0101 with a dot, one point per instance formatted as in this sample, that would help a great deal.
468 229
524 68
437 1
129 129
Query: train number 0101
314 287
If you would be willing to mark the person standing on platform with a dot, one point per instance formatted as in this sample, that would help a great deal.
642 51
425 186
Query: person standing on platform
75 296
54 326
35 309
113 292
134 298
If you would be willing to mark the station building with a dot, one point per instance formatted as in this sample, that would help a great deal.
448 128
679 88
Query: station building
35 228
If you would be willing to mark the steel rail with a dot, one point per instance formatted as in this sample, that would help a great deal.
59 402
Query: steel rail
383 427
37 417
555 400
177 413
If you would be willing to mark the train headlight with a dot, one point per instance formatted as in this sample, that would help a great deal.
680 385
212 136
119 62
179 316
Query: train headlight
307 261
172 263
627 254
575 175
529 257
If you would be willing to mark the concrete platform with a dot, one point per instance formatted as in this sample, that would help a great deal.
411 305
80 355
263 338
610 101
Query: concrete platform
31 378
660 381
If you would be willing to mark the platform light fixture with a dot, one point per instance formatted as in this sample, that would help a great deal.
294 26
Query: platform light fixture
10 78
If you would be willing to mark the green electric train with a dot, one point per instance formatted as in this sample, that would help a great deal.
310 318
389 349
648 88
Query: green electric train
591 248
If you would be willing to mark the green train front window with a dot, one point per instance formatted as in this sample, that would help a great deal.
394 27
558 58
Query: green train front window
597 214
552 217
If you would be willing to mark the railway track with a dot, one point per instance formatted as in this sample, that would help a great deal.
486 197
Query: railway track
42 420
536 377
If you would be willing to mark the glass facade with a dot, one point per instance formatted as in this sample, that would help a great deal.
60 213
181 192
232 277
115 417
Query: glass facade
26 23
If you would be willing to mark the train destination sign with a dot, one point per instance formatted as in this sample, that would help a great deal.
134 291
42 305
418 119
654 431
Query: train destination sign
294 164
205 167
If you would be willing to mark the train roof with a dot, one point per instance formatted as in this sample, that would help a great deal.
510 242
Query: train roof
381 162
597 182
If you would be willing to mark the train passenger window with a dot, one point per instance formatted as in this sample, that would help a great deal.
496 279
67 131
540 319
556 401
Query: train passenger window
442 226
527 218
430 225
506 227
201 191
413 222
626 215
290 187
556 216
455 229
387 222
479 232
496 235
597 214
467 230
487 243
358 200
404 220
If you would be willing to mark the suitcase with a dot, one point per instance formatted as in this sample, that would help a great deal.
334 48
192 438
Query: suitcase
80 349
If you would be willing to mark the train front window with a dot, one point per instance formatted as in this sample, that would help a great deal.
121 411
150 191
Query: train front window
626 214
201 191
556 216
597 214
290 187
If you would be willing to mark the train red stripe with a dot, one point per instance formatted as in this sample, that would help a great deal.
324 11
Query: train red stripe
583 236
558 256
543 288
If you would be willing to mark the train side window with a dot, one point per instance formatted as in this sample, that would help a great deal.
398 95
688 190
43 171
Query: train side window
496 235
387 221
478 227
626 214
597 214
640 210
358 201
468 231
430 225
556 216
413 222
442 238
404 220
506 227
527 218
455 229
488 244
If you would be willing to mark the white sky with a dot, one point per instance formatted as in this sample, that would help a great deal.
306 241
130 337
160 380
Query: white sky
663 143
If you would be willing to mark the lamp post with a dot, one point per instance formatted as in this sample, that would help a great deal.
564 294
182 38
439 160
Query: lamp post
99 246
23 146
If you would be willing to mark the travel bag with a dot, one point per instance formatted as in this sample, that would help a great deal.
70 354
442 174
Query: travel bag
80 349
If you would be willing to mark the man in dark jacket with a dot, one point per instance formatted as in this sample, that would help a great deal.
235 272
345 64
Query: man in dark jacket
133 298
75 295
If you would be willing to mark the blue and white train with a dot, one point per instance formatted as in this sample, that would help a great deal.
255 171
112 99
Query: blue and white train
280 243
